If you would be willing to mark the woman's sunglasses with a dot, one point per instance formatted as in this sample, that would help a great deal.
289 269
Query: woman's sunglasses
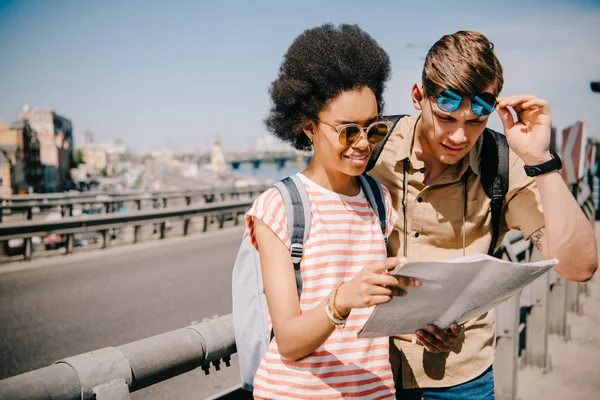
449 100
350 133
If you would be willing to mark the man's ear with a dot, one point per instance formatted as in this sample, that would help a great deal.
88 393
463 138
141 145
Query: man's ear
309 130
418 95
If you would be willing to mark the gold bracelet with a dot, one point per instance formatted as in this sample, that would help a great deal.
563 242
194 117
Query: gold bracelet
336 313
338 321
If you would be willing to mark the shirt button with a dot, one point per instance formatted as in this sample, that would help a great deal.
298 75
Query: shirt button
416 234
420 199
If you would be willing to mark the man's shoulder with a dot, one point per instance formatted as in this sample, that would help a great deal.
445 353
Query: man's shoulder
396 144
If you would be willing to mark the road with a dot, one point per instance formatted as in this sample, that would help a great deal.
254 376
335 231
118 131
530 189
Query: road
63 306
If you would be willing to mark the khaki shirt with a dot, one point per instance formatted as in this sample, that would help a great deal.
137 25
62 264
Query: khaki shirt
435 232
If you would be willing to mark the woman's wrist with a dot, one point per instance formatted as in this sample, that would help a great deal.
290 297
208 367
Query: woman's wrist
339 304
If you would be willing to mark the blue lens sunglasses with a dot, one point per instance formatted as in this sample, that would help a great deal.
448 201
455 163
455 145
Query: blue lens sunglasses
449 100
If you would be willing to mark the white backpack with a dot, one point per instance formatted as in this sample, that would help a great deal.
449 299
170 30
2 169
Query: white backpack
250 312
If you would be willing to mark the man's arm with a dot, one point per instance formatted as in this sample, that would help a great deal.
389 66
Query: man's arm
567 235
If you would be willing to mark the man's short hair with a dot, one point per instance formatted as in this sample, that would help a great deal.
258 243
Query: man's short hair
464 61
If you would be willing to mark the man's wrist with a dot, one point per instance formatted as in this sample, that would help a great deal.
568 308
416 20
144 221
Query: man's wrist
537 160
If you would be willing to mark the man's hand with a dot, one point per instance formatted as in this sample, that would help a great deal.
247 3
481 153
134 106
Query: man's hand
529 136
437 341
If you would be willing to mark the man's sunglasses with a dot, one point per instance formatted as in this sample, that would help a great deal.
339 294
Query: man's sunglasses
350 133
449 100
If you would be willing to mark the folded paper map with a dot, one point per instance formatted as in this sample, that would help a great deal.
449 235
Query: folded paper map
455 290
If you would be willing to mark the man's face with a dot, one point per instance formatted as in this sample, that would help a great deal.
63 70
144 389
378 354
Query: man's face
447 137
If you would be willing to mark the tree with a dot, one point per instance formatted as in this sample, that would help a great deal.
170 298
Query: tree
79 157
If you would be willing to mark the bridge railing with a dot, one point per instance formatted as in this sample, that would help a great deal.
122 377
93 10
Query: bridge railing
26 230
112 373
525 321
65 202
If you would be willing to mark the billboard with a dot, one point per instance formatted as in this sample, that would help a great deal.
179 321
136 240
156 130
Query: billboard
573 152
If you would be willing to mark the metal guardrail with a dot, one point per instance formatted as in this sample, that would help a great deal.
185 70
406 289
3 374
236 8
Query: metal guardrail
27 203
102 223
524 322
89 196
113 372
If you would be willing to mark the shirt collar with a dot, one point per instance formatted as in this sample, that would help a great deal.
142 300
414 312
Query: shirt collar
470 160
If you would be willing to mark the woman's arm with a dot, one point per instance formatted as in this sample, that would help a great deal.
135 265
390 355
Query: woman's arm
298 334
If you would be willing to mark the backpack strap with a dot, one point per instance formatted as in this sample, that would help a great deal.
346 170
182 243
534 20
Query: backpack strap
297 208
379 146
494 177
374 193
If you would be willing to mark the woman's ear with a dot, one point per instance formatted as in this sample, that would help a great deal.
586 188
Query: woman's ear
309 130
418 95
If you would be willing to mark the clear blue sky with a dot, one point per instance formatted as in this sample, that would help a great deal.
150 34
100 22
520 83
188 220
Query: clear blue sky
176 73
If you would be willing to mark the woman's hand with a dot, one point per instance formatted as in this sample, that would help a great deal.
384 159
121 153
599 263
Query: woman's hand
373 285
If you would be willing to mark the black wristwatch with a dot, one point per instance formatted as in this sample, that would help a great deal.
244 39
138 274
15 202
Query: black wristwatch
551 165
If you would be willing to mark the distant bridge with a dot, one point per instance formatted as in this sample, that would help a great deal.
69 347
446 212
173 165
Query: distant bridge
255 158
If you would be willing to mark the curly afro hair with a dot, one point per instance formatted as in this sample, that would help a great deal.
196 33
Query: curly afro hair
320 64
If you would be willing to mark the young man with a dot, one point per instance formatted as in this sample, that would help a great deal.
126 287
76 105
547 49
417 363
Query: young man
448 213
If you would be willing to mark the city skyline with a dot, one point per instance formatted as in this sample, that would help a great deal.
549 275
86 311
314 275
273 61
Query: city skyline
160 75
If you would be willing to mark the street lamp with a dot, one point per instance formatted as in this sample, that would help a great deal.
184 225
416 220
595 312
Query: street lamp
595 86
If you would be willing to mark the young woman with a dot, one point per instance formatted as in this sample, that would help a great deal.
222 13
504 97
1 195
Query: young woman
328 97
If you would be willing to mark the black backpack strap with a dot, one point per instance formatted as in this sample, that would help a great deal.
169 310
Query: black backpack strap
494 177
379 146
374 193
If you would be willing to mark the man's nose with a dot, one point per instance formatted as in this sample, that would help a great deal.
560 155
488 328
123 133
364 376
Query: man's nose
458 136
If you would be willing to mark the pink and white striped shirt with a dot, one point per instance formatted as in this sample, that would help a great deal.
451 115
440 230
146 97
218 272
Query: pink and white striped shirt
345 235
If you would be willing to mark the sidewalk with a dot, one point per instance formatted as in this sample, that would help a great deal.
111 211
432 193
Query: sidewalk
575 372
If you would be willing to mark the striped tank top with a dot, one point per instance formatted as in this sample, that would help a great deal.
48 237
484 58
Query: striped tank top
345 235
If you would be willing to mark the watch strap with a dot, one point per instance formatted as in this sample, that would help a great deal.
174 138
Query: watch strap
551 165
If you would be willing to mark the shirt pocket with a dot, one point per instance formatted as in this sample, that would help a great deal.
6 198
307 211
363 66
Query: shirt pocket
449 219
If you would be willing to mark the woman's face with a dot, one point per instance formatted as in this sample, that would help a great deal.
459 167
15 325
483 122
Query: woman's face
358 106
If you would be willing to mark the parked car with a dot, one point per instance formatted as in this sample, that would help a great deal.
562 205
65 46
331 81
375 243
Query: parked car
53 241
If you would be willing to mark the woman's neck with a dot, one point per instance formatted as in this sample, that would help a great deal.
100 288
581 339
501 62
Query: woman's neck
335 181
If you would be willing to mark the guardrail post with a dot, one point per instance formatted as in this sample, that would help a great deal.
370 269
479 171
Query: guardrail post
557 301
536 349
28 249
105 238
136 233
69 245
507 349
573 297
